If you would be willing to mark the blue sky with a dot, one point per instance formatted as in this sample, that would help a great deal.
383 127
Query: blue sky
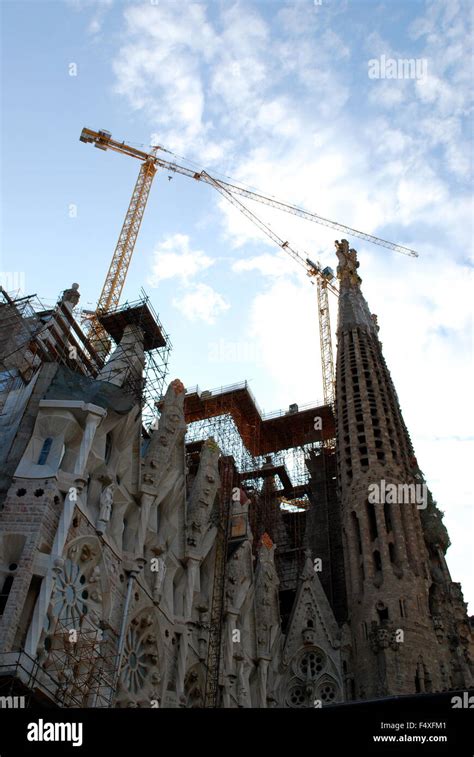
276 95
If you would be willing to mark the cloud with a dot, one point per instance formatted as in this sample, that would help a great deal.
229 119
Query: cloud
174 258
272 265
203 303
100 8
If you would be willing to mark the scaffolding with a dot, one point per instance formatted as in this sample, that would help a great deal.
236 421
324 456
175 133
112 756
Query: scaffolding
266 455
147 386
78 666
270 453
32 335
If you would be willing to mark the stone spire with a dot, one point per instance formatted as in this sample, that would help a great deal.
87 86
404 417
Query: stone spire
353 309
386 560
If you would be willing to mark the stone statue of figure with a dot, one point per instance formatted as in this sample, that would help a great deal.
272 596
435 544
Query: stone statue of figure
159 570
105 512
71 295
266 595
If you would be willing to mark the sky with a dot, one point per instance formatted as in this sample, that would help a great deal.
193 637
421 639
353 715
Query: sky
302 100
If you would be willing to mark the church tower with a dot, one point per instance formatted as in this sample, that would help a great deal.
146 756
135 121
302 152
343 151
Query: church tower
400 596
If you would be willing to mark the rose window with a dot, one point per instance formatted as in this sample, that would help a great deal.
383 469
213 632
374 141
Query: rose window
70 595
297 696
135 667
311 664
328 693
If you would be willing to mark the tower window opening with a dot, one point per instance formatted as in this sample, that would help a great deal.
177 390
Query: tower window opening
45 450
388 516
372 520
355 521
391 552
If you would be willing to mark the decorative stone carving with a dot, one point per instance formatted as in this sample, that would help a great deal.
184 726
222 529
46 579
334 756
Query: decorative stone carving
266 597
158 573
203 495
348 262
105 512
438 626
171 429
139 674
239 576
382 637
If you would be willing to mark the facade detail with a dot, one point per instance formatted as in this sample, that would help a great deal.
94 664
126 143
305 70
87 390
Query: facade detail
210 555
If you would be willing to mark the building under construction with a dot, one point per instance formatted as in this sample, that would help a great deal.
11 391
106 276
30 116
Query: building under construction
172 547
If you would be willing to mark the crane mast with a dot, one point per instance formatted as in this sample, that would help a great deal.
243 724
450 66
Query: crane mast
117 273
313 270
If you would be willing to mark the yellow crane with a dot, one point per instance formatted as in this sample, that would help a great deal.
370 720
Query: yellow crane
116 275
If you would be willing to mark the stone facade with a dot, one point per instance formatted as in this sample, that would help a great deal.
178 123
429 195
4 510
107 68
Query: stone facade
109 540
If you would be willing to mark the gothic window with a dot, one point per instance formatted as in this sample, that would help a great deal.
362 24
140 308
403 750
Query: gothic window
328 693
391 551
135 667
297 696
45 450
311 664
377 560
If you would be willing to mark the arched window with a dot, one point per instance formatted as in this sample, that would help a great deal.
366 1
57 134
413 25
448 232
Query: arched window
45 450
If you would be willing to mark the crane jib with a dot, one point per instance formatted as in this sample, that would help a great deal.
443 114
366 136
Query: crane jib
104 141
